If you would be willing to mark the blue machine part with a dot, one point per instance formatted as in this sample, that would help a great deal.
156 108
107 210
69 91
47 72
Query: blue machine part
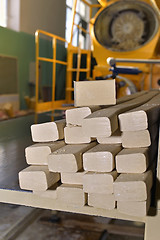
124 70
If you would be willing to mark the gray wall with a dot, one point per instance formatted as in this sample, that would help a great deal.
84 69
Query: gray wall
48 15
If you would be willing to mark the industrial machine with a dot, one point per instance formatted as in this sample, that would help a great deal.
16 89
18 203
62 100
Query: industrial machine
128 29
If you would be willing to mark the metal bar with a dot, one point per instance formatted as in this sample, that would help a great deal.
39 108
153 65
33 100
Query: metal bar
73 17
78 63
150 76
79 27
52 60
95 5
88 63
75 69
69 74
54 70
37 73
87 3
148 61
90 12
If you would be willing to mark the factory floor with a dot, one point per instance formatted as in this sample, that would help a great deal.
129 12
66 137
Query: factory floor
25 223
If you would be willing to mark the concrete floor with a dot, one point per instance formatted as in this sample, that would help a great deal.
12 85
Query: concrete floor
15 136
40 225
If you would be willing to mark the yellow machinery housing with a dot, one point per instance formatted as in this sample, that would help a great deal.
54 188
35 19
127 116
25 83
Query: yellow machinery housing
128 29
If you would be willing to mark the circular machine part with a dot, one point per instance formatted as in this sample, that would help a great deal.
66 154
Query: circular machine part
126 25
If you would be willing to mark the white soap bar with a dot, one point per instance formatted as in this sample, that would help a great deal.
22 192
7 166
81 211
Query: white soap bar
37 178
101 158
99 182
73 178
76 115
68 158
75 135
50 193
90 93
48 132
134 160
133 187
137 209
72 195
137 139
37 154
104 201
115 138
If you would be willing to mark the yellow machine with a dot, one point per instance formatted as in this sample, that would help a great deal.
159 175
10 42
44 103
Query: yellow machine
120 29
128 29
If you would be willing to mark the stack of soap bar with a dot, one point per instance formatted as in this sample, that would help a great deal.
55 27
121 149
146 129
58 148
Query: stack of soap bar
37 177
112 172
104 122
99 187
133 190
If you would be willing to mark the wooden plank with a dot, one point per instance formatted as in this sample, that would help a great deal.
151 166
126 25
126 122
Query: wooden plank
37 154
115 138
137 139
68 158
133 187
47 132
37 178
105 201
71 195
105 121
75 135
142 117
101 158
90 93
99 182
73 178
132 160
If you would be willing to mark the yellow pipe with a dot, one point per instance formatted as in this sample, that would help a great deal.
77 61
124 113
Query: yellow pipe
37 68
90 12
78 63
54 70
52 60
87 3
96 6
51 35
79 27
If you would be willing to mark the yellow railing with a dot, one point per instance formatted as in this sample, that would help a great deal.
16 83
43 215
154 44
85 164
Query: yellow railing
41 106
